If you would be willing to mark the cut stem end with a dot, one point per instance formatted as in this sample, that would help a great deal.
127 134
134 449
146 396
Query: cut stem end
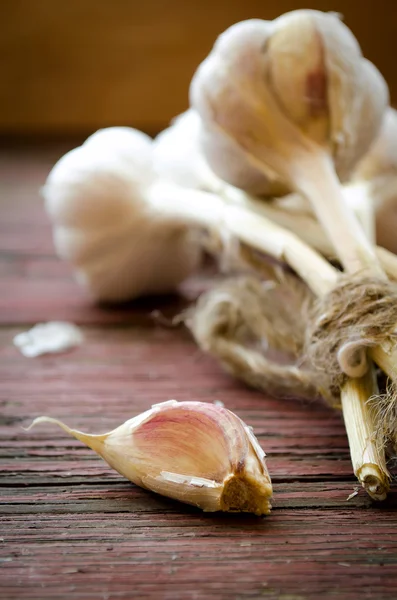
374 481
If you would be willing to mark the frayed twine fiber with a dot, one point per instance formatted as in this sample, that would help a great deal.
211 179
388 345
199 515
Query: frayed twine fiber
357 314
244 319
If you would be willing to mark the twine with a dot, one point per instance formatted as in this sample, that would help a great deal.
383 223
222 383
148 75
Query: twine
247 323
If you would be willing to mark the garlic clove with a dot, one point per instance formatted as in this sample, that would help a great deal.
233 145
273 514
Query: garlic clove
194 452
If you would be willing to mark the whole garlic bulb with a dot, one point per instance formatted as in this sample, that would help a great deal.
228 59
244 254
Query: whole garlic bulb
297 97
95 196
305 66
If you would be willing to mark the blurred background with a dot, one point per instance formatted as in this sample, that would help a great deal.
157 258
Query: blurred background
69 67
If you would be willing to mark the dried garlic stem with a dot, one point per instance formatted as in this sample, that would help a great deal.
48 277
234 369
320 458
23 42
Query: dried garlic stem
317 181
369 465
292 214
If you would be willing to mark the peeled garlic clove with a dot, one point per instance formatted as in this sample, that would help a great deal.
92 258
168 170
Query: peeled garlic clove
96 197
194 452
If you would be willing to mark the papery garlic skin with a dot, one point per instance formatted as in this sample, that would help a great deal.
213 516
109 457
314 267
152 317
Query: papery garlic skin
46 338
95 196
194 452
273 88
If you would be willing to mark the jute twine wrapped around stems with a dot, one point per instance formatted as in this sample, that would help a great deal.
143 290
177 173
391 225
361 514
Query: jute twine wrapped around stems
246 323
224 325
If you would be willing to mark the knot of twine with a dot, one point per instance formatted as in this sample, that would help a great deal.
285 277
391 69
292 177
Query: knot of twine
251 326
359 313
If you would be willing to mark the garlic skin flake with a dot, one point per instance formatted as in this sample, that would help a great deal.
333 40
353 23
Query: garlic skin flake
194 452
45 338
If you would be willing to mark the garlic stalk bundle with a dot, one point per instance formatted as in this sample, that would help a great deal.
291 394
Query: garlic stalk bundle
197 453
298 98
369 425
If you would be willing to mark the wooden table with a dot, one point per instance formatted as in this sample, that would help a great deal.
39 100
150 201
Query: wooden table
72 528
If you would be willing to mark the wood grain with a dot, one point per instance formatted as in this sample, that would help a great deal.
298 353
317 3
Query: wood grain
82 64
71 528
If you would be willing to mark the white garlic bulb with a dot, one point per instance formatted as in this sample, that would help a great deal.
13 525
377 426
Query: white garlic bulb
121 247
297 97
305 67
177 155
194 452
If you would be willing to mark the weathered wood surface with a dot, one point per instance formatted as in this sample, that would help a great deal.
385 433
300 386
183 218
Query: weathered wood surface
72 528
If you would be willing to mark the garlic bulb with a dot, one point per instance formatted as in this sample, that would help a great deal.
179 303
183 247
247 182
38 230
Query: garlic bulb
194 452
177 155
297 97
120 246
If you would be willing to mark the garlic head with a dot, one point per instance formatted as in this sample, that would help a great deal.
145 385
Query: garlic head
281 89
96 197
